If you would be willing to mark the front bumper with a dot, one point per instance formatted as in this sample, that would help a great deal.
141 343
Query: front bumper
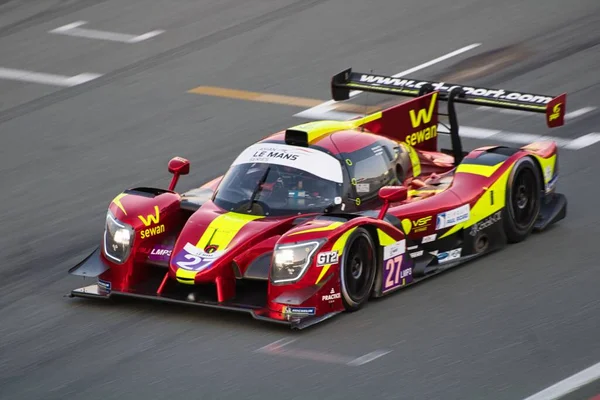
251 296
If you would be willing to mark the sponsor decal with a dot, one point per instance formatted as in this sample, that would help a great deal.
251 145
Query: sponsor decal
498 94
556 111
327 258
331 296
424 115
453 217
412 248
363 188
150 220
394 250
104 285
421 136
548 172
156 230
416 254
486 223
422 224
419 119
160 253
310 160
449 255
191 258
289 310
429 238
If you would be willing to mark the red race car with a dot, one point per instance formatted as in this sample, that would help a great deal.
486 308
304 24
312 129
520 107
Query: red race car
315 220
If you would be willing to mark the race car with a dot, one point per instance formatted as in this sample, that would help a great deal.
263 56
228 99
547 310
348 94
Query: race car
318 219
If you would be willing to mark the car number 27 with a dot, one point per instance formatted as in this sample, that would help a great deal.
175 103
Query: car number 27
394 275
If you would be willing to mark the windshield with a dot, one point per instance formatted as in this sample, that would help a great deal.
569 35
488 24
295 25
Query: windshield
287 180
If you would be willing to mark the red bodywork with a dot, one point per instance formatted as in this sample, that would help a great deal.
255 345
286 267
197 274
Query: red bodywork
160 222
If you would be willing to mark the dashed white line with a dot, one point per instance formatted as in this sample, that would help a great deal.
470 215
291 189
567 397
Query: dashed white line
73 29
277 348
569 384
367 358
584 141
46 79
328 105
579 112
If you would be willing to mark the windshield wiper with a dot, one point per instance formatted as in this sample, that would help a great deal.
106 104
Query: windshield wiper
258 187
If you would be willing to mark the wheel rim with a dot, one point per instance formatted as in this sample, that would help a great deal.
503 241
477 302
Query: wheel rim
357 271
524 198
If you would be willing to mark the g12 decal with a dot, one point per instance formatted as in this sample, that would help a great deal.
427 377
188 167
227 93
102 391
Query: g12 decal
327 258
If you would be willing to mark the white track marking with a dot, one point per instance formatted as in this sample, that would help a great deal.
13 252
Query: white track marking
328 105
569 384
579 112
74 29
584 141
46 79
367 358
277 348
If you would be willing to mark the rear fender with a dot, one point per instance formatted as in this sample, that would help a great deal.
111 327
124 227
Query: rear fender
545 154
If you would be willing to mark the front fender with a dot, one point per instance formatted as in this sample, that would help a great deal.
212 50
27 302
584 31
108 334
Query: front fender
318 289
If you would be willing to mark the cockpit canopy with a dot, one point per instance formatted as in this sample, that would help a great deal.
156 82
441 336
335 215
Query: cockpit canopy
276 179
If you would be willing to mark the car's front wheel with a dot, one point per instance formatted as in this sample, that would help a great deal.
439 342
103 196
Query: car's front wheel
523 200
357 269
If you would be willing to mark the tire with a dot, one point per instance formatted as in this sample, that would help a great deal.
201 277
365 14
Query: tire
358 269
523 200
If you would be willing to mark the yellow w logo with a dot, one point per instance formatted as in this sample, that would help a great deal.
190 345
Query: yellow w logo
151 219
424 116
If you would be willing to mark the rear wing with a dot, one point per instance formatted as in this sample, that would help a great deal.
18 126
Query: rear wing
553 107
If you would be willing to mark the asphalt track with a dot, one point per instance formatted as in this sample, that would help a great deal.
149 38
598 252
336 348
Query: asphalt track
502 328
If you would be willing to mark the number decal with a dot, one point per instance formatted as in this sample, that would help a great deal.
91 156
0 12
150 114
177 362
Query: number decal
187 264
191 258
394 274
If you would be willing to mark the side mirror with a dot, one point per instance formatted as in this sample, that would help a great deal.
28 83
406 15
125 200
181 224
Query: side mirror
178 166
391 194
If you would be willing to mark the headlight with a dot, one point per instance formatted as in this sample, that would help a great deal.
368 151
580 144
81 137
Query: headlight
118 238
290 261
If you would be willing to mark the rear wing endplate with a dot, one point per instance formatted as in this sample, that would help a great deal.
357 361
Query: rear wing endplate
553 107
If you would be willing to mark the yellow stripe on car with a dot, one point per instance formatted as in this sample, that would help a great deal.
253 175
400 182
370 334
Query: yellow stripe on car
220 233
493 200
384 238
318 129
117 201
329 227
339 247
548 167
483 170
223 229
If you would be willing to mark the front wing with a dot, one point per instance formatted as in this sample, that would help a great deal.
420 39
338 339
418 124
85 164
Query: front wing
251 298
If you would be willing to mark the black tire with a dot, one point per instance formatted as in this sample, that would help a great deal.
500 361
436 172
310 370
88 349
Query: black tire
357 269
523 200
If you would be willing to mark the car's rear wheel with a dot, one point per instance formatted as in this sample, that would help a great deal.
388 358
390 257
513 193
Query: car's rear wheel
357 269
523 200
